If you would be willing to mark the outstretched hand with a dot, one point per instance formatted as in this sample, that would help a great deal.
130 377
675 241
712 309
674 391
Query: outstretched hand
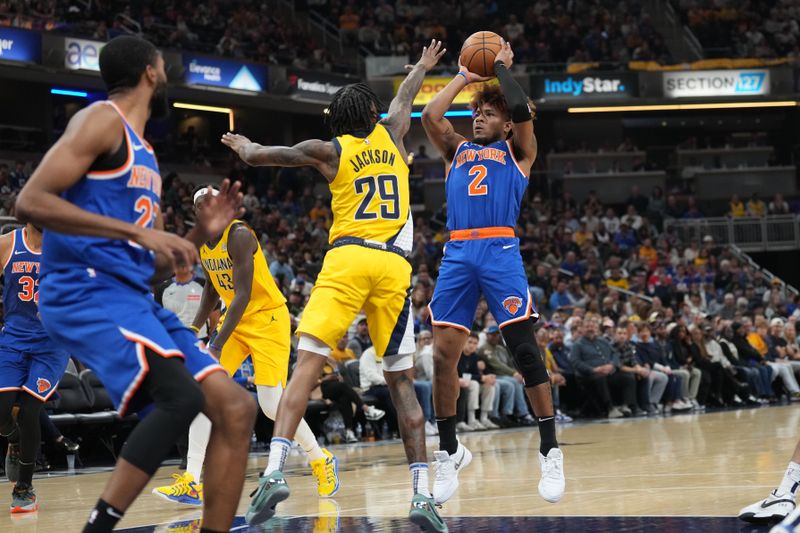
221 209
235 142
431 55
506 54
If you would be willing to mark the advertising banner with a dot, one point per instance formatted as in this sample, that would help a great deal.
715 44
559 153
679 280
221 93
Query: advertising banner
200 70
698 83
581 86
20 45
82 54
315 85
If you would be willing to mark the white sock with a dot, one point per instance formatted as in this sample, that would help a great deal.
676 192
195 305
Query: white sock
278 452
791 479
470 417
484 416
199 433
419 478
268 399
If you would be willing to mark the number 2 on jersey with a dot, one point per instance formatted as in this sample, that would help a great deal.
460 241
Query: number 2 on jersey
476 186
144 205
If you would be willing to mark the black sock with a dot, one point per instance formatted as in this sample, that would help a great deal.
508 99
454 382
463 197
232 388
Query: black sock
447 434
547 434
103 518
26 472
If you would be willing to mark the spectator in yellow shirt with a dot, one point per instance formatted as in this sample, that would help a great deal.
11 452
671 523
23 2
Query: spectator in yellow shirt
582 236
756 206
648 253
617 280
341 352
737 207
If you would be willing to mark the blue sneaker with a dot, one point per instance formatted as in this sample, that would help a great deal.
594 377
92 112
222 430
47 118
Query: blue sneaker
272 490
23 499
184 490
423 513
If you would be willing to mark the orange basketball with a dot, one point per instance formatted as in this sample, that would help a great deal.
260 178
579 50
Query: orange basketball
479 51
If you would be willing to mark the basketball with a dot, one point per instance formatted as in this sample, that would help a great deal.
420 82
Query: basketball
479 52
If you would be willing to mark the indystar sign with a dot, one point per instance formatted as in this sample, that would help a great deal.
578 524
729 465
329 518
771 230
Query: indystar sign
716 83
579 86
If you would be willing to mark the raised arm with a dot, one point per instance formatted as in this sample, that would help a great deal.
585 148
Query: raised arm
312 153
439 130
519 107
398 120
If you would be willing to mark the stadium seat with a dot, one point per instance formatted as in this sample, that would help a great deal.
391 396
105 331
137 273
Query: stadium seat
72 396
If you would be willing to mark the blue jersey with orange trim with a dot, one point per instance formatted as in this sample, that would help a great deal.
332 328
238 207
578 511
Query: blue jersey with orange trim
484 187
131 193
21 291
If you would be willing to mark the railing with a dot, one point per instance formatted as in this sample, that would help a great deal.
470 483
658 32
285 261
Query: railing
769 276
750 234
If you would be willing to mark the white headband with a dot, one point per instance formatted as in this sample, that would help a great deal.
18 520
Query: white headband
202 192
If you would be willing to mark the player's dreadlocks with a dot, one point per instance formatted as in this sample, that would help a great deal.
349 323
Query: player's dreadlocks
354 108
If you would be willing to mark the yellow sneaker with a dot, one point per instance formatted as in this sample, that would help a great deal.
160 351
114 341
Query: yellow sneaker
327 520
183 490
327 473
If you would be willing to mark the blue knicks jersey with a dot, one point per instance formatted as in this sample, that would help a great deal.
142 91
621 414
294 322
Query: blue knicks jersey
21 292
131 193
484 187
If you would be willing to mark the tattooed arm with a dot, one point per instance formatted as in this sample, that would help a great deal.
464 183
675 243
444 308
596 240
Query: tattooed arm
315 153
398 120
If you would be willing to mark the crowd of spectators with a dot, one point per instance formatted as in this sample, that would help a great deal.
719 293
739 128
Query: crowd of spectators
233 28
634 320
544 31
757 28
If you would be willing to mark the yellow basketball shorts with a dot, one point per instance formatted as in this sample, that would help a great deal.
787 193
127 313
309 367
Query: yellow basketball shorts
354 278
266 336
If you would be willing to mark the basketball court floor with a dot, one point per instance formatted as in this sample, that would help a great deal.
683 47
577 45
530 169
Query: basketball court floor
682 474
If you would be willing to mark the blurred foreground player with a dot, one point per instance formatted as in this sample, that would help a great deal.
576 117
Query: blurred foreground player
366 268
781 502
30 363
97 193
485 183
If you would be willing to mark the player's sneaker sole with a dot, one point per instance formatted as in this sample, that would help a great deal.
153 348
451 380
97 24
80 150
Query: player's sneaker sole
265 499
423 514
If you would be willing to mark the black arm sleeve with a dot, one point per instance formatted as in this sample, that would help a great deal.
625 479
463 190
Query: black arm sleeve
515 96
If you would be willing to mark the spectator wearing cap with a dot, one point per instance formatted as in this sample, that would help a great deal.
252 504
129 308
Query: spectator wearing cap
597 366
361 340
500 363
301 283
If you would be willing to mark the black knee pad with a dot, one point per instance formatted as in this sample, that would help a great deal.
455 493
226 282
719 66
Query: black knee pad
521 342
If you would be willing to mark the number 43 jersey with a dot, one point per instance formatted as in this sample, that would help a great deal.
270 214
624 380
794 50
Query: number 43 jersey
370 194
218 265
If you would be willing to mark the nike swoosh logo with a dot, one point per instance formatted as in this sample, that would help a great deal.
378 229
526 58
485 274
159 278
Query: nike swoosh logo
458 464
19 252
546 419
138 147
508 246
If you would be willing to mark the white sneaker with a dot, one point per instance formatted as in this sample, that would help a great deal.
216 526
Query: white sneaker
350 437
447 467
462 427
476 426
551 486
790 524
373 413
775 507
488 424
615 413
680 405
430 429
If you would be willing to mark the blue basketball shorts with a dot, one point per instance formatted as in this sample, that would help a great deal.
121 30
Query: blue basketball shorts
34 367
107 325
492 267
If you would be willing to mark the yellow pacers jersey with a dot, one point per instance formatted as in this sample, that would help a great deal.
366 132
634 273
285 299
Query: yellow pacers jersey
219 266
370 198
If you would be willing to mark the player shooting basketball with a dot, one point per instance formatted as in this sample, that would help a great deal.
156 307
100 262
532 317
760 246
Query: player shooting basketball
485 183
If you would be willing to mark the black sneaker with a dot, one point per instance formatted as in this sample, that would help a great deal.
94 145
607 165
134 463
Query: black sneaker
67 446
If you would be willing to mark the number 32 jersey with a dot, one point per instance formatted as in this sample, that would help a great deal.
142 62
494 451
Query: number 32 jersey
218 265
370 194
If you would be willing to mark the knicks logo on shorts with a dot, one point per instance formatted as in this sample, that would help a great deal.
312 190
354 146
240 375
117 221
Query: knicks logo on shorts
512 304
42 385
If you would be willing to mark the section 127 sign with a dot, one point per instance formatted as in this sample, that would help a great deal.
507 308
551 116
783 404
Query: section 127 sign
199 70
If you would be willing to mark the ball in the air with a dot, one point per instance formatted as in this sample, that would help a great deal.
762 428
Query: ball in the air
479 52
